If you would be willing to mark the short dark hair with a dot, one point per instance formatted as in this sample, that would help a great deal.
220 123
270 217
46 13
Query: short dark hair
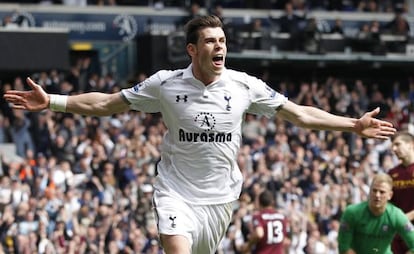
195 25
404 135
266 198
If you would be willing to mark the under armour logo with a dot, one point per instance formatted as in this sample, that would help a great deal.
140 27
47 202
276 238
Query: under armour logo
178 98
172 219
227 98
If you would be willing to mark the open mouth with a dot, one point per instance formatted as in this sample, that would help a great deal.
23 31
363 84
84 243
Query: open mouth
218 60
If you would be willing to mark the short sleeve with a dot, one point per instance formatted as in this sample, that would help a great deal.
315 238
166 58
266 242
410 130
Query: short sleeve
265 100
145 96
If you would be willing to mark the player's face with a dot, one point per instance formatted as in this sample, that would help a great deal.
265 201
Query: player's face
402 149
208 55
380 193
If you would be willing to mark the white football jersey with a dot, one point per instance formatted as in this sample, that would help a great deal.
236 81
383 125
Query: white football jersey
198 161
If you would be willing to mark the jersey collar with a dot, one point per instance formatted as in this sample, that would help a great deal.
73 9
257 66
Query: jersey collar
188 73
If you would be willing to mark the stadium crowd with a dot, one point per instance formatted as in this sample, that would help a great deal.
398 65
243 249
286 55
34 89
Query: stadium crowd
84 184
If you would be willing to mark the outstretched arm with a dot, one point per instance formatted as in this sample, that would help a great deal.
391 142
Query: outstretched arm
94 103
313 118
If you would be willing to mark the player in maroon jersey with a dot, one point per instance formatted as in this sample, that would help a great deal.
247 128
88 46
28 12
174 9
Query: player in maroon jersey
403 181
268 233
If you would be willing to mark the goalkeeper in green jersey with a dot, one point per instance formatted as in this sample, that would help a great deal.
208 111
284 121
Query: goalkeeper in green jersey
370 226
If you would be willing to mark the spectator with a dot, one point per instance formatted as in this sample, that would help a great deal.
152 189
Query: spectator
5 107
252 129
298 232
194 10
377 100
369 39
312 37
20 134
292 24
218 10
94 244
41 132
368 6
315 243
337 27
398 27
256 35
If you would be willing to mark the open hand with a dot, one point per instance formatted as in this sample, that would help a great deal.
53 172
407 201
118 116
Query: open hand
33 100
369 127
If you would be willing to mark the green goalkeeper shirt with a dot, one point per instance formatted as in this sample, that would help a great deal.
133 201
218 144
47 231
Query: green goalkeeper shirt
368 234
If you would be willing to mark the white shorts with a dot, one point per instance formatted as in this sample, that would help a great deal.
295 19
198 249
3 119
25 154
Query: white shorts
203 225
